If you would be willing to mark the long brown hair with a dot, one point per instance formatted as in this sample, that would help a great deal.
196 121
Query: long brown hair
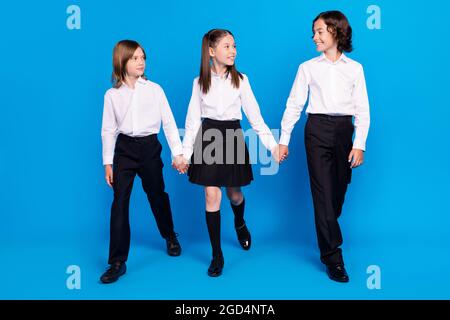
123 51
211 39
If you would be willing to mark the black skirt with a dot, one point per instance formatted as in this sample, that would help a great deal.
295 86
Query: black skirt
220 156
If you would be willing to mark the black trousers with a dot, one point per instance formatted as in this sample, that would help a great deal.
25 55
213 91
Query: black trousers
328 142
141 156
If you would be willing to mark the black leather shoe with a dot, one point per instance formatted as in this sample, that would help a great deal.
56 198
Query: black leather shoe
244 237
114 272
216 266
337 273
173 246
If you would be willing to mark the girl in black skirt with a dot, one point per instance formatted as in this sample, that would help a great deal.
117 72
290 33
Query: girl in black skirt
214 142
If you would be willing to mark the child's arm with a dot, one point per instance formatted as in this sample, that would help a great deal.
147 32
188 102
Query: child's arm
109 134
362 115
193 121
170 126
253 114
294 106
362 120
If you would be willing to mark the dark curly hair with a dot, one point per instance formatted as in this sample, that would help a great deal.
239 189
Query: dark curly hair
339 26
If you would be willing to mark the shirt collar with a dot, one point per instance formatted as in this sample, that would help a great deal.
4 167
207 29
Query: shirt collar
124 86
140 80
323 57
216 75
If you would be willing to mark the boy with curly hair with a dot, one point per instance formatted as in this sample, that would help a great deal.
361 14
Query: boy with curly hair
336 88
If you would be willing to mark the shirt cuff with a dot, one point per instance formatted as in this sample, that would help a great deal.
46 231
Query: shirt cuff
358 144
177 150
187 153
285 138
108 160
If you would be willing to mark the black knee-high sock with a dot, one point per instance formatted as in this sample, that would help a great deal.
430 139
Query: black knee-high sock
238 213
213 223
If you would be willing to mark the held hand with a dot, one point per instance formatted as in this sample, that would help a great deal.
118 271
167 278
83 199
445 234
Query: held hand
176 162
109 175
356 158
284 152
180 164
276 154
184 165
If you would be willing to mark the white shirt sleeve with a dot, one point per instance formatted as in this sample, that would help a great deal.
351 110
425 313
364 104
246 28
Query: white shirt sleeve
170 126
253 113
294 105
193 121
362 115
109 130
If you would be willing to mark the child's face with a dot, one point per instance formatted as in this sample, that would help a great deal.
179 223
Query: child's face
225 51
323 38
136 64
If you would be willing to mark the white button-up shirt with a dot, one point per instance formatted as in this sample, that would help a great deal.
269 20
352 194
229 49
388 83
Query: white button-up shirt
223 102
137 112
334 88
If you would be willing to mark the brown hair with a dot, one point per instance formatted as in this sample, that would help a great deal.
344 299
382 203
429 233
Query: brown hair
211 39
339 26
123 51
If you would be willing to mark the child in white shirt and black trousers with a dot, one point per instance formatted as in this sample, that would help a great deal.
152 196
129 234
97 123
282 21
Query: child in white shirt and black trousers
214 141
133 112
336 89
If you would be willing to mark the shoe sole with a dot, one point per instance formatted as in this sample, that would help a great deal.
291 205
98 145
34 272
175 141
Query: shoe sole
174 254
339 280
108 282
214 275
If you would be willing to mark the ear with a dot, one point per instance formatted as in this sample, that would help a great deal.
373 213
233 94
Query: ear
211 52
332 30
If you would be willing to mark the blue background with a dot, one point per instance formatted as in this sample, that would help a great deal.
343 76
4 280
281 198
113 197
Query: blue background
55 204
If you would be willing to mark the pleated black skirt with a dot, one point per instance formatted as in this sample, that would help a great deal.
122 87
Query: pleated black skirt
220 156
